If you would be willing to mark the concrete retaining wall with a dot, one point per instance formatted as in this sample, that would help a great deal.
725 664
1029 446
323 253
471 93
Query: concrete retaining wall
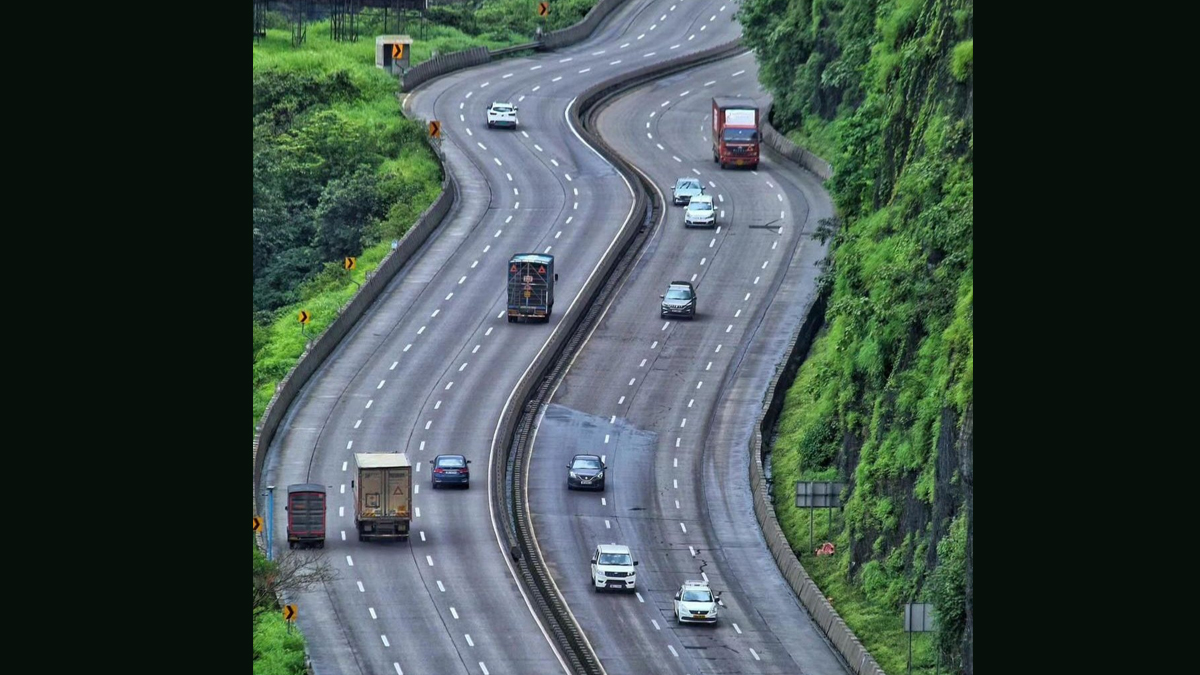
448 63
797 154
322 346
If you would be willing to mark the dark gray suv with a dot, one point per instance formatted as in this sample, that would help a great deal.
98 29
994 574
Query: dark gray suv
680 300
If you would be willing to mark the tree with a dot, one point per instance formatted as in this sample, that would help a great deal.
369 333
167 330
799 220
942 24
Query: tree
294 571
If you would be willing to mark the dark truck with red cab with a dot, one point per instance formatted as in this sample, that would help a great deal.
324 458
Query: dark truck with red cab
306 515
735 132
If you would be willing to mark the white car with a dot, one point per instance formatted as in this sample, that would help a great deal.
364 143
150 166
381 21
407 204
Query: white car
700 212
695 603
613 567
502 115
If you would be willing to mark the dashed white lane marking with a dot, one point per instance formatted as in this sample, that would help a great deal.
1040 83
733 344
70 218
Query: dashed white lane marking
509 175
663 17
343 535
765 264
469 132
469 640
607 525
665 325
655 624
653 113
683 423
568 177
676 503
631 381
770 184
406 348
454 612
575 207
712 185
385 642
722 8
557 79
349 444
570 218
647 125
422 535
461 118
558 234
613 63
350 561
372 611
620 401
438 405
497 233
460 105
381 384
704 576
554 162
729 328
341 512
356 424
483 668
676 462
660 147
675 482
429 559
672 648
781 215
756 280
538 147
484 85
703 27
693 277
692 37
683 527
598 53
641 36
746 298
612 420
584 71
547 249
721 197
360 588
605 438
755 655
702 261
508 220
672 8
518 101
773 245
700 384
691 402
695 172
462 367
650 54
664 104
422 450
535 67
709 366
603 458
674 46
536 88
722 215
516 192
676 158
712 242
505 77
737 73
737 314
428 424
489 332
653 344
780 197
471 92
603 501
639 597
713 17
739 630
435 313
624 46
343 491
693 550
710 83
642 364
344 464
678 441
685 93
497 161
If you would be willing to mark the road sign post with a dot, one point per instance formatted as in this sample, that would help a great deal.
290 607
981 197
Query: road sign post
918 618
818 495
289 615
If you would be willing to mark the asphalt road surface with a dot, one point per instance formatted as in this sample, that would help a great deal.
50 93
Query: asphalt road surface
431 366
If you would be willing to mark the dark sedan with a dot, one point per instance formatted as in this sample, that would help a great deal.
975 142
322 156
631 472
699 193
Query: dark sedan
450 470
586 472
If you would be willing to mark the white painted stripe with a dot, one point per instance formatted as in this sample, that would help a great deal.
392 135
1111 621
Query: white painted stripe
624 45
536 88
672 648
481 145
422 535
360 588
344 464
683 527
372 611
642 364
603 501
463 366
483 668
693 551
683 424
756 280
539 148
606 438
653 344
737 73
350 561
755 655
729 328
535 67
655 624
584 71
709 366
639 597
429 559
385 642
469 640
675 481
341 512
497 161
739 630
607 525
632 381
710 83
620 401
349 444
343 488
615 62
691 402
454 612
557 79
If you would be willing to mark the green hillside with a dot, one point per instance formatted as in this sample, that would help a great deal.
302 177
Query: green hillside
883 89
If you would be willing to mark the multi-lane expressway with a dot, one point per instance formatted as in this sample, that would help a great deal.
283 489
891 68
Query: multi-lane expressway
432 364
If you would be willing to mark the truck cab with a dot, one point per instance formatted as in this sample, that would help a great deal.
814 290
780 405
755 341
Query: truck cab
735 132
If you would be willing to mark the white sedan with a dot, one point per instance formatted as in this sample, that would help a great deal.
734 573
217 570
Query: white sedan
502 115
695 603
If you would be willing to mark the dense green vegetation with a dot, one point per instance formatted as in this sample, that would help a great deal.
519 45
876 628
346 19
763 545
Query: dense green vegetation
883 89
277 650
514 20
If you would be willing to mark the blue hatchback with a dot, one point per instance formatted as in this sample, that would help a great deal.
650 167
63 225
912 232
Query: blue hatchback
450 470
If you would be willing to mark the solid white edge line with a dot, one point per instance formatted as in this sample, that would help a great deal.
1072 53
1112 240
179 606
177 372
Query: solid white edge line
508 403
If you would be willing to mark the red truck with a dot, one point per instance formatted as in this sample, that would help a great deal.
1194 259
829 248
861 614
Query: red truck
735 132
306 515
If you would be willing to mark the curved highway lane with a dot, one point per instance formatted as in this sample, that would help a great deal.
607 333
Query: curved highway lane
432 364
671 404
